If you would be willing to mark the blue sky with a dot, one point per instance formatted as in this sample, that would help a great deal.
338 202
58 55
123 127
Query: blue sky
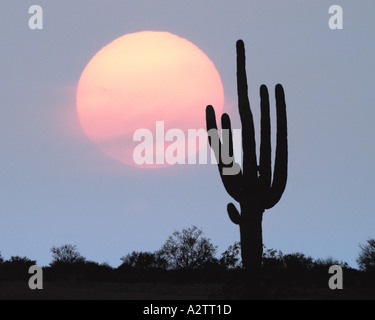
57 187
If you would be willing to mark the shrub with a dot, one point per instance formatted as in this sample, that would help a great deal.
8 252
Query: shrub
188 249
17 268
298 262
66 254
143 261
272 259
230 258
366 258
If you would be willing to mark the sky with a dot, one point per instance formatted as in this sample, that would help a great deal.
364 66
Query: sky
57 187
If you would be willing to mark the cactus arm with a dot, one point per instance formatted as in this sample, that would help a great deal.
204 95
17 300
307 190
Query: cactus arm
248 135
230 166
281 157
213 135
233 213
227 139
230 173
232 183
265 171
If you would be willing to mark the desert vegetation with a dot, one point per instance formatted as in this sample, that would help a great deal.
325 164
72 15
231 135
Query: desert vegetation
188 258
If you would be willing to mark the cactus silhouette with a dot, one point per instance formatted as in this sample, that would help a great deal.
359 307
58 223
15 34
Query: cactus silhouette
252 187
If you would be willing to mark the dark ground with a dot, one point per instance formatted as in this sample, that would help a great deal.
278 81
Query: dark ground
110 290
88 281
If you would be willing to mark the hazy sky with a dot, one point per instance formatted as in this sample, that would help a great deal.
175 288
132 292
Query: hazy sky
57 187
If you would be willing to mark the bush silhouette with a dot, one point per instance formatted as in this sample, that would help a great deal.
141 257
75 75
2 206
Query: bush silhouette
143 261
16 268
272 260
188 250
67 262
325 264
297 262
66 254
366 258
230 258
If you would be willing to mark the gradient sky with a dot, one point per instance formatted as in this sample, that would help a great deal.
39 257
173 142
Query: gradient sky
57 187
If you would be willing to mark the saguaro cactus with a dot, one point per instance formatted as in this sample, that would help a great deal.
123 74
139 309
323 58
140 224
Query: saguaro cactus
253 186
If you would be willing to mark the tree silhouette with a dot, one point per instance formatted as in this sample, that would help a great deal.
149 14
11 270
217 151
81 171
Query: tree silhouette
66 254
188 249
230 258
366 258
252 186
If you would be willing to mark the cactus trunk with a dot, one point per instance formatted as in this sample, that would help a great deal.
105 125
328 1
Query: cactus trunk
251 240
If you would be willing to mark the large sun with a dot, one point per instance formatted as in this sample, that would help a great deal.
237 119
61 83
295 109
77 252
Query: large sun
141 78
